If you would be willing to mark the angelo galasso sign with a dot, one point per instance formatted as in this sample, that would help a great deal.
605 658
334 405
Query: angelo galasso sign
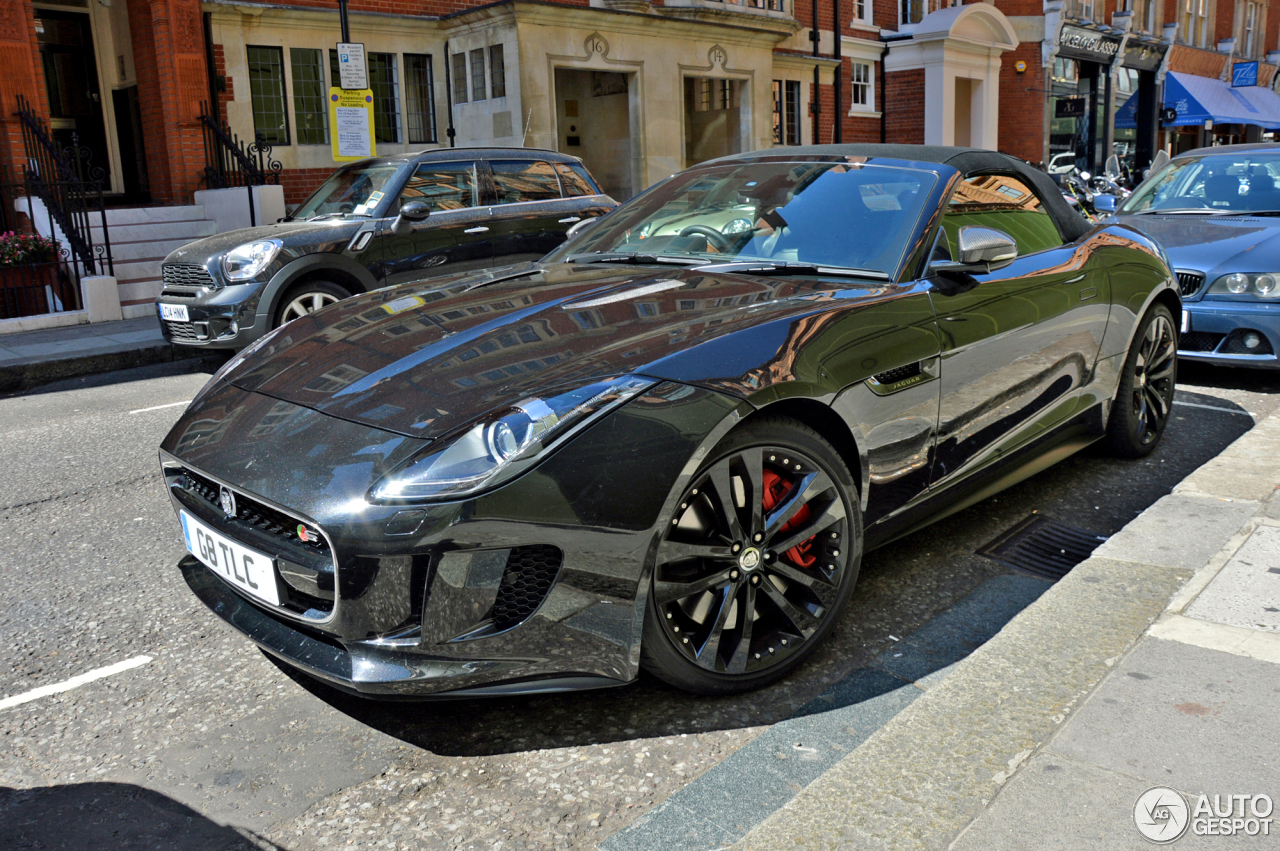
1087 44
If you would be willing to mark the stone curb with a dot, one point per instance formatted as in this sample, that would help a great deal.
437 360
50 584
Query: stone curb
922 777
16 376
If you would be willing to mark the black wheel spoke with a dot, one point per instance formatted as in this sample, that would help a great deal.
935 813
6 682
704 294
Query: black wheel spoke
722 483
710 648
737 663
668 591
1157 403
803 622
814 579
678 550
804 491
824 520
753 467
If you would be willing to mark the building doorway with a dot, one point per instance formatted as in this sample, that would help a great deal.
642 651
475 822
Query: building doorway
71 82
715 118
594 118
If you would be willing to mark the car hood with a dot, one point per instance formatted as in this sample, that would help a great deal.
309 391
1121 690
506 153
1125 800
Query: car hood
1214 246
314 235
422 360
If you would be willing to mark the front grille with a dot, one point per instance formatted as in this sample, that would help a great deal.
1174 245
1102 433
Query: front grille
1189 283
180 330
1199 341
259 516
186 275
529 574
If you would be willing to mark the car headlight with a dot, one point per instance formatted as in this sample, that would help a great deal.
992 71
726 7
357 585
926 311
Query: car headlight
504 444
246 262
1265 285
737 226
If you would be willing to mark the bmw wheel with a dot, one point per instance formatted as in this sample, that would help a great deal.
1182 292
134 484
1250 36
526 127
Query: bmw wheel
757 564
1145 398
308 297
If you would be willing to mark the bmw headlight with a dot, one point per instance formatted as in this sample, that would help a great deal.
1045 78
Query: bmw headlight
504 444
1266 285
246 262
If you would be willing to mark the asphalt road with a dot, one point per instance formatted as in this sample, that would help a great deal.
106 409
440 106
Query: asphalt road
209 745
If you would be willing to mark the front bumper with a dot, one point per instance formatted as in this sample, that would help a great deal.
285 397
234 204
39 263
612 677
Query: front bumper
225 318
417 609
1219 330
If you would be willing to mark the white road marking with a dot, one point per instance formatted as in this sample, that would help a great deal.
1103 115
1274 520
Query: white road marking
158 407
1212 408
74 682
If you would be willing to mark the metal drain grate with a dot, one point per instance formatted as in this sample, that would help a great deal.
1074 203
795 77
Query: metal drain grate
1042 547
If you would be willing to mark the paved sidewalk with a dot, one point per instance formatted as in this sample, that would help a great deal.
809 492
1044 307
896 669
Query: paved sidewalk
31 358
1156 662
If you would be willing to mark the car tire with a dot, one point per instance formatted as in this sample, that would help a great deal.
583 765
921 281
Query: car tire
308 297
709 568
1144 401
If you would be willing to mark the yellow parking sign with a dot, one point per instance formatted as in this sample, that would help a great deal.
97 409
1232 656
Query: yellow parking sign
351 124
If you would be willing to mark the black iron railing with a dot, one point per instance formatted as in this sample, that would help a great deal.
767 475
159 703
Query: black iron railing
69 186
229 161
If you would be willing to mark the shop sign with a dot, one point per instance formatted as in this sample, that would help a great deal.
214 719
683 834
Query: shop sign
1168 115
1143 56
1244 74
1087 44
1068 108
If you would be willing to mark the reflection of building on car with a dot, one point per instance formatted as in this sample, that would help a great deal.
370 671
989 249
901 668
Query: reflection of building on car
473 208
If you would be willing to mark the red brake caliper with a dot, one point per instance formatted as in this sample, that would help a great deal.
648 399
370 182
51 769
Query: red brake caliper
776 489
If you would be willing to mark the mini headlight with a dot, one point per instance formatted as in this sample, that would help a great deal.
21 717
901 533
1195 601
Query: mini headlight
246 262
736 226
504 444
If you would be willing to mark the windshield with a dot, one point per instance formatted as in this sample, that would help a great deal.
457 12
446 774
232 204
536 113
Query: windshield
1214 183
350 190
844 215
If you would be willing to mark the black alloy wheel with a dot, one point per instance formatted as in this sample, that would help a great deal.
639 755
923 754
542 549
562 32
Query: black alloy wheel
1145 398
757 563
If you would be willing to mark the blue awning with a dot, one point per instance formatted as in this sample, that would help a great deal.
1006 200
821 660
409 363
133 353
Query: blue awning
1200 99
1127 115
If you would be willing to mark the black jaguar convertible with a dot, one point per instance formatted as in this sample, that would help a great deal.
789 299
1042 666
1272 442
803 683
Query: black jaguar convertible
667 444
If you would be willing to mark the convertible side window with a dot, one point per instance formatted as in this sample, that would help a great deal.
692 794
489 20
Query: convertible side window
445 186
1004 203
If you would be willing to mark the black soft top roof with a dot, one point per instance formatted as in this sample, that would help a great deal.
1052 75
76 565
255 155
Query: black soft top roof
967 161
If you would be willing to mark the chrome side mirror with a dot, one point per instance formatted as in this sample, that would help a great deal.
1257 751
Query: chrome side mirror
1105 203
979 249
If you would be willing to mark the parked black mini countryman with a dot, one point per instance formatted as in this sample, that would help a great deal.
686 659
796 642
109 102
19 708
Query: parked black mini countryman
374 223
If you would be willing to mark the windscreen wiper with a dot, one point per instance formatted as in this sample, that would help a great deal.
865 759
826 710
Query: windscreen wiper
1247 213
634 258
780 267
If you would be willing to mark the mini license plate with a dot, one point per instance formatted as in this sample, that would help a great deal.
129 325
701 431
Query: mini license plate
1186 321
174 312
249 570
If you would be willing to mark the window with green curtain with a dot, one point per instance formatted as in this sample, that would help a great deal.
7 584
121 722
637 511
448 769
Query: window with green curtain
310 108
420 98
266 91
385 83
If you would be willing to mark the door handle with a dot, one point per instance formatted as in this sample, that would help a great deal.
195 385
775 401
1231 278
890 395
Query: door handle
480 229
1077 279
571 220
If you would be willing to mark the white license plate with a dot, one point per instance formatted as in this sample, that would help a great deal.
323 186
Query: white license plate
1186 321
249 570
174 312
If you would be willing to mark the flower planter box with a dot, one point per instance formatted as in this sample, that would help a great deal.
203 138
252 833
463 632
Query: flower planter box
33 289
